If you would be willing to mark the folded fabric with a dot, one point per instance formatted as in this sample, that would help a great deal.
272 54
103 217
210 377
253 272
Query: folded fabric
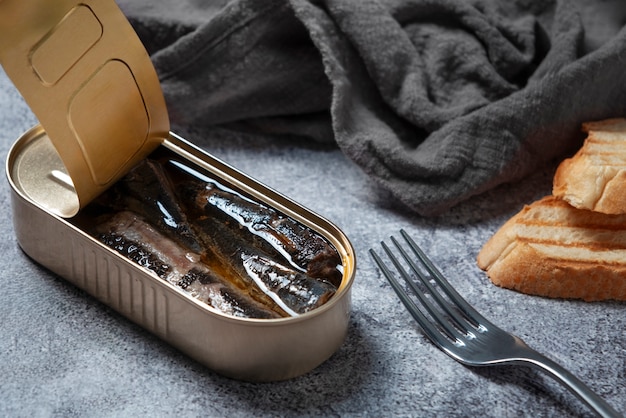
436 100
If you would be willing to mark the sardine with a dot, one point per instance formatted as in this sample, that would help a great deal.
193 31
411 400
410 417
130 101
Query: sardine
148 191
131 236
299 245
292 290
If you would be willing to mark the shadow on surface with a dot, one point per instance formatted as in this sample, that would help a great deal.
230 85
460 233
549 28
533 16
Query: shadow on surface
313 393
535 384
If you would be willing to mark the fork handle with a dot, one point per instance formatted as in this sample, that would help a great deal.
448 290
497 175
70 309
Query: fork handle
575 385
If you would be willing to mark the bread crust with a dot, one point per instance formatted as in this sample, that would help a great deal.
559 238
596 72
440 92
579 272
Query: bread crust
594 178
528 270
553 249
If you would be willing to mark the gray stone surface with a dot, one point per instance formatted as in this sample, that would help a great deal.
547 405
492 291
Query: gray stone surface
63 353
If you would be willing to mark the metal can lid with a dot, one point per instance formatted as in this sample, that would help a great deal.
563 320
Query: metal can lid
87 77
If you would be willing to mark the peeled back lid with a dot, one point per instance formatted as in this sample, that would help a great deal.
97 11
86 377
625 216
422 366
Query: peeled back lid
88 79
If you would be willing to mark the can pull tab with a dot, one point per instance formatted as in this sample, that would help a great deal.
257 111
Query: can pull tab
86 76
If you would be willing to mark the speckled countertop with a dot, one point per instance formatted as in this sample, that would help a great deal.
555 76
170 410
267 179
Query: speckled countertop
63 353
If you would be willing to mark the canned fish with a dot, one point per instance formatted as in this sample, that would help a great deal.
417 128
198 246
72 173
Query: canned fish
111 251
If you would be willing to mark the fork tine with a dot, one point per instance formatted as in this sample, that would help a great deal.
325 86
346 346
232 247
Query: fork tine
429 328
443 303
468 311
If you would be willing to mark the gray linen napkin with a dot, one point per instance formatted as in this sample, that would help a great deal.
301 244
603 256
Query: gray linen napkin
436 100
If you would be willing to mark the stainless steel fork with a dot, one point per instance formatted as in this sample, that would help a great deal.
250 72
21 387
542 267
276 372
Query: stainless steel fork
463 333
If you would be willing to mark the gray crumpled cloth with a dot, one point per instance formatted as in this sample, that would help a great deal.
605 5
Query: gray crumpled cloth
436 100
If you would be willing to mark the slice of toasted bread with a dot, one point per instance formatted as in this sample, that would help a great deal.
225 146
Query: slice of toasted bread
553 249
595 177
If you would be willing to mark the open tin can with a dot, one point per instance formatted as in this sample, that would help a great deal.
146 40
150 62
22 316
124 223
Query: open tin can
242 348
83 55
